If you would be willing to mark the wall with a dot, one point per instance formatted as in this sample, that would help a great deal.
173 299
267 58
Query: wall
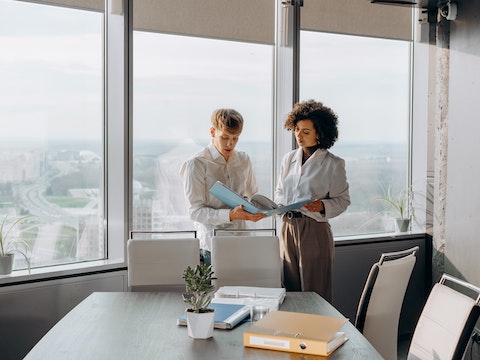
457 236
28 311
462 214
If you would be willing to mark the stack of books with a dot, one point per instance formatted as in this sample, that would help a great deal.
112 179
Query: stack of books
226 317
233 304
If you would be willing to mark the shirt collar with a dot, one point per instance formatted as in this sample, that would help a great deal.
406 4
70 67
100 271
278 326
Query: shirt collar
215 154
318 156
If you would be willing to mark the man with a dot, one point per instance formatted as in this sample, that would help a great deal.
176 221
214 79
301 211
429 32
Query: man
219 161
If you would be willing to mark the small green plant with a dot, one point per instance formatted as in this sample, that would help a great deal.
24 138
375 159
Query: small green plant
199 287
399 201
10 244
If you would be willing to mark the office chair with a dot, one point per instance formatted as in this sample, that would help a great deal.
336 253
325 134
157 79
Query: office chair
247 261
380 304
446 322
157 264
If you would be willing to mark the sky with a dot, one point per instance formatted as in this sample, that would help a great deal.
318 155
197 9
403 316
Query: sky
51 59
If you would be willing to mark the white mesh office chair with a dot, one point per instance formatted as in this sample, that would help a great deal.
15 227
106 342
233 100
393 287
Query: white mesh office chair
446 322
380 304
247 261
158 264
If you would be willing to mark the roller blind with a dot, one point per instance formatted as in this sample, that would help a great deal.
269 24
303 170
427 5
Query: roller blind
95 5
254 20
242 20
357 17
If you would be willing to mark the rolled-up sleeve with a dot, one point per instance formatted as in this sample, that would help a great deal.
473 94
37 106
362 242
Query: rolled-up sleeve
338 198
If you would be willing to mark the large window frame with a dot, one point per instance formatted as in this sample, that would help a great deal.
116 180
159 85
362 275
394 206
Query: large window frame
55 105
366 81
118 115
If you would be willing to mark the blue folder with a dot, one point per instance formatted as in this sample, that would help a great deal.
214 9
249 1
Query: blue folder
227 316
232 199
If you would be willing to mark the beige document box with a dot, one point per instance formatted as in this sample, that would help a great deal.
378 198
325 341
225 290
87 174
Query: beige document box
296 332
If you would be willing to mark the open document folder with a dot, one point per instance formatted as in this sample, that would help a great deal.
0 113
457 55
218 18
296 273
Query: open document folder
256 204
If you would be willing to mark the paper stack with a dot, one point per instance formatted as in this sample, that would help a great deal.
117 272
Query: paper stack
251 296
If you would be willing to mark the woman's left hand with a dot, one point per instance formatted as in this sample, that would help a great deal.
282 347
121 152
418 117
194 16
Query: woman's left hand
315 206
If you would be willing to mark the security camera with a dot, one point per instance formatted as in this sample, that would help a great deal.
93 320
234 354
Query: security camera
449 11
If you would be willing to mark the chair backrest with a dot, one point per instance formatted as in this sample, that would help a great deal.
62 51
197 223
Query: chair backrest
380 304
247 261
158 264
446 322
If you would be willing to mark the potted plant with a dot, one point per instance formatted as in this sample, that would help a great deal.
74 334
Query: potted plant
199 287
400 203
10 245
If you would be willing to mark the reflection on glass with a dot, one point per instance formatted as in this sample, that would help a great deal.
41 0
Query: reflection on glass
178 82
366 81
51 116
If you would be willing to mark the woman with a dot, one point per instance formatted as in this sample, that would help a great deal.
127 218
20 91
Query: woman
311 172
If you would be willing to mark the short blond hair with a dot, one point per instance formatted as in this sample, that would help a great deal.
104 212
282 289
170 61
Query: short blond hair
227 120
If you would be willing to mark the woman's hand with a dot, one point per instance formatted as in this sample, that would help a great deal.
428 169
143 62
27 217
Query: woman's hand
238 213
315 206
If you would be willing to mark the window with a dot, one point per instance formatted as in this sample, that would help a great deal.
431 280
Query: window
178 82
366 82
51 116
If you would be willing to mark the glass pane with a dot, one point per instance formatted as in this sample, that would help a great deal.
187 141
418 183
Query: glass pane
366 82
178 82
51 116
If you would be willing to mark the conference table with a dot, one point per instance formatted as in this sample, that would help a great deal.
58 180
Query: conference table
142 325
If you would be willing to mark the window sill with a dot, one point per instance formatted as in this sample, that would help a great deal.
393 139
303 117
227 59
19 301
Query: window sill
99 266
62 271
374 238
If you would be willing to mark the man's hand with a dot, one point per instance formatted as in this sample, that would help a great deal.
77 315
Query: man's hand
315 206
238 213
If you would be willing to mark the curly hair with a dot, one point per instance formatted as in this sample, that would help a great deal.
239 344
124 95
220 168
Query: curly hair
324 119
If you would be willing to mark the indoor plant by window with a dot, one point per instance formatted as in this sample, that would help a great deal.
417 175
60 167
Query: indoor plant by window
400 204
11 245
199 287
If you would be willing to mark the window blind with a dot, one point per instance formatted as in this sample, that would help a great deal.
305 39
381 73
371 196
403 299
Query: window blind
357 17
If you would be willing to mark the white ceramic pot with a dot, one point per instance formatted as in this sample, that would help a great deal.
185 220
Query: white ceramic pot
200 325
6 264
403 224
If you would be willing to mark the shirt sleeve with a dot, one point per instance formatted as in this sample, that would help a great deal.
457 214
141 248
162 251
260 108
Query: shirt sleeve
278 197
251 181
338 198
193 175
